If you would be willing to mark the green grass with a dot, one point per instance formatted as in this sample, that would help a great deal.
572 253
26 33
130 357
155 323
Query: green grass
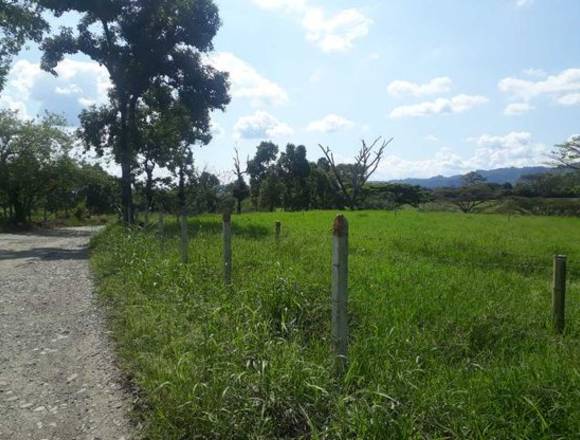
450 328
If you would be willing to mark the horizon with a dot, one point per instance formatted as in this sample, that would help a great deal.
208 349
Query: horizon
425 73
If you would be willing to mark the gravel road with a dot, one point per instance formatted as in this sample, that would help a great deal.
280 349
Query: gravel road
58 379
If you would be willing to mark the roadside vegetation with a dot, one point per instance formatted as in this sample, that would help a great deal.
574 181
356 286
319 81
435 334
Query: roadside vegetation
449 314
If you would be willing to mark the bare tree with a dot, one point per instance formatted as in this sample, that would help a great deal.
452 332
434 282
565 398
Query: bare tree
567 155
241 191
351 179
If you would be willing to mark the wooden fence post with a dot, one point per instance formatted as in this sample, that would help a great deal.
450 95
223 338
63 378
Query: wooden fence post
162 230
559 293
340 293
278 230
227 248
184 238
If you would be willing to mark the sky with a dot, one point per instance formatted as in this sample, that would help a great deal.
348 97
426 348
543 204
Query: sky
459 84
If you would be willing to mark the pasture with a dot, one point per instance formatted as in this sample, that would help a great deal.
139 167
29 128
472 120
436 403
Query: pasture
450 327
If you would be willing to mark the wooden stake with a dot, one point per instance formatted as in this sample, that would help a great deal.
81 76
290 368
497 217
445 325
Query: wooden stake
559 294
162 230
340 293
227 248
184 238
278 230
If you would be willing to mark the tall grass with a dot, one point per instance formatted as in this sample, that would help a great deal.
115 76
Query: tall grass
450 328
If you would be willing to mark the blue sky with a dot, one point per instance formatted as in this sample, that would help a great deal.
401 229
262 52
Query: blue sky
459 84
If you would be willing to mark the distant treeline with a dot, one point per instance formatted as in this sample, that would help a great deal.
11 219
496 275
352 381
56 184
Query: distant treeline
40 180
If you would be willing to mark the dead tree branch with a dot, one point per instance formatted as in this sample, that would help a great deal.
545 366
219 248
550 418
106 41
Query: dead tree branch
366 163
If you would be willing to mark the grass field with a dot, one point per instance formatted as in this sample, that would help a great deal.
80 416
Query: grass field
450 328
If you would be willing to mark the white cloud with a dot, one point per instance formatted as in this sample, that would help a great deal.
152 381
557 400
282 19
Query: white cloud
436 86
30 90
512 149
445 162
571 99
247 82
431 138
521 3
518 108
457 104
559 87
335 32
338 32
261 125
330 124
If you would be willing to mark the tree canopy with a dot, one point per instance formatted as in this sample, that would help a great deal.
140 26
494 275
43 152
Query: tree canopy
144 44
20 21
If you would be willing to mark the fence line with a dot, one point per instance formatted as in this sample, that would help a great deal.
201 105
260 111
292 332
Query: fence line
559 294
184 238
340 293
227 235
340 275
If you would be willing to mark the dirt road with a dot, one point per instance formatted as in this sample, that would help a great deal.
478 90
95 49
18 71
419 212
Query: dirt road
58 378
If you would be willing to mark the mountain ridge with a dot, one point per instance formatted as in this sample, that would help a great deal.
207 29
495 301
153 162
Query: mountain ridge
499 175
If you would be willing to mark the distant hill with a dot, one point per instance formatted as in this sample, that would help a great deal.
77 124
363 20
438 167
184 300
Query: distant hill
500 175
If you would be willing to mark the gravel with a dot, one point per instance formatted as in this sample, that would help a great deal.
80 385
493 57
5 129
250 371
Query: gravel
58 379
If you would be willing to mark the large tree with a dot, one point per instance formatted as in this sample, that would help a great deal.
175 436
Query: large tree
20 21
266 154
143 43
294 172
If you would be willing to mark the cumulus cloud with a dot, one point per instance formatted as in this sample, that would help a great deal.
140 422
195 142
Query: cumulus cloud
436 86
513 149
563 87
335 32
247 82
518 108
78 84
330 124
457 104
492 151
261 125
331 32
571 99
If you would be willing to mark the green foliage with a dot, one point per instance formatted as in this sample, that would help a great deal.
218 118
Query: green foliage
396 195
450 328
549 185
265 156
469 198
20 20
143 44
37 173
567 155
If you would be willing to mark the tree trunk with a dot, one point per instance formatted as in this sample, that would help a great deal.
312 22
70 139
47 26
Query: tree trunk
149 189
20 214
125 158
181 190
239 206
